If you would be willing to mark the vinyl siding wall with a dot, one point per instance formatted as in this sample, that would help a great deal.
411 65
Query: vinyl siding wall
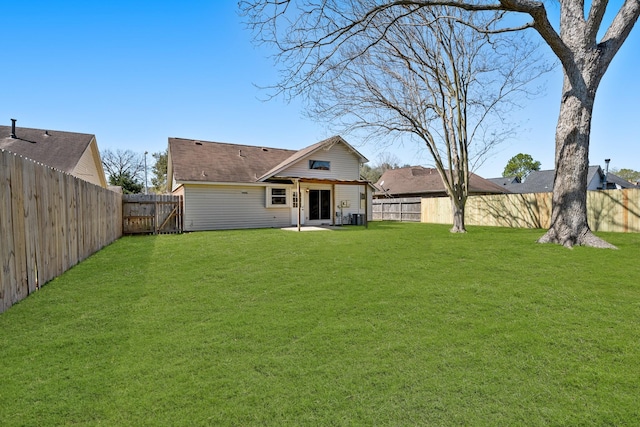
352 194
595 184
208 207
344 165
86 168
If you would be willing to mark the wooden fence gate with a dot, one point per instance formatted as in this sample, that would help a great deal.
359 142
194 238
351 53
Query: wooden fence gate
151 214
404 209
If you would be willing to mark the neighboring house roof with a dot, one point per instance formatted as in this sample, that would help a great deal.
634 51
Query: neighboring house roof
615 182
505 180
417 180
57 149
205 161
542 181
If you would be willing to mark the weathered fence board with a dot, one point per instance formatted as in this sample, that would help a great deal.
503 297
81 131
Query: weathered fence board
402 209
610 210
49 221
151 214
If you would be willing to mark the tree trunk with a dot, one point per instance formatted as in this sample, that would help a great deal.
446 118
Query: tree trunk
569 224
457 208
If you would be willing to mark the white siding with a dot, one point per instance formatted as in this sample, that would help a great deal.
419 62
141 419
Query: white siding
351 193
208 207
344 165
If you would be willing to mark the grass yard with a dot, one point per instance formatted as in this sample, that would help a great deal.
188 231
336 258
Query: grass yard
400 324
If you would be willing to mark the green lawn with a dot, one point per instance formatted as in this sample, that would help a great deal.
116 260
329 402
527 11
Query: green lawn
398 324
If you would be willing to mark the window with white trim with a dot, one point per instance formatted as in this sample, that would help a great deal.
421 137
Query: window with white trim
277 197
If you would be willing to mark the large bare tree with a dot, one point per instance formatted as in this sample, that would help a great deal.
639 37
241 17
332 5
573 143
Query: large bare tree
422 75
123 163
310 32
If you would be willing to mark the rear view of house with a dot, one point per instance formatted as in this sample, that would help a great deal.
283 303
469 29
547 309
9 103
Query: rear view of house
229 186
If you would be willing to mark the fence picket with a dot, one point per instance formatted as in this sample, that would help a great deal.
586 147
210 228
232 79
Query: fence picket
49 221
609 210
151 213
402 209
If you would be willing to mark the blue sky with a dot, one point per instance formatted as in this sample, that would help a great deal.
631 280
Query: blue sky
137 72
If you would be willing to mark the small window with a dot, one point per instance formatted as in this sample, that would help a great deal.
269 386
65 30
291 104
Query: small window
322 165
277 197
294 199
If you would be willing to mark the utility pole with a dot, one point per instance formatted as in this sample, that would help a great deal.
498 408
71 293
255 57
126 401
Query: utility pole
146 188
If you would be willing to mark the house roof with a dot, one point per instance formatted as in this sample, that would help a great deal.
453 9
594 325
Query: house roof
206 161
420 180
542 181
619 182
57 149
309 150
505 180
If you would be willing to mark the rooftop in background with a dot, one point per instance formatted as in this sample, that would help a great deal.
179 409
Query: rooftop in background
542 181
418 181
74 153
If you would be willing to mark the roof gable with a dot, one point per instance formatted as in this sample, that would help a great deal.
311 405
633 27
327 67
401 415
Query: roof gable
309 151
56 149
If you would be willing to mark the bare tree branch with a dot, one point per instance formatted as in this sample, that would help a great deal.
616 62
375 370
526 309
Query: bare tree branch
321 42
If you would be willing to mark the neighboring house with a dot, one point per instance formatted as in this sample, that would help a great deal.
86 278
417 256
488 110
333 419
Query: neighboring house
74 153
542 181
229 186
418 181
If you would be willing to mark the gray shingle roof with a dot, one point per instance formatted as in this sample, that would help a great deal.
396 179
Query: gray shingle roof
542 181
57 149
504 181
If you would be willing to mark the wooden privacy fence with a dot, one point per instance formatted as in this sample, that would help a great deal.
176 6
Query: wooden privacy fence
49 221
404 209
151 214
610 210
